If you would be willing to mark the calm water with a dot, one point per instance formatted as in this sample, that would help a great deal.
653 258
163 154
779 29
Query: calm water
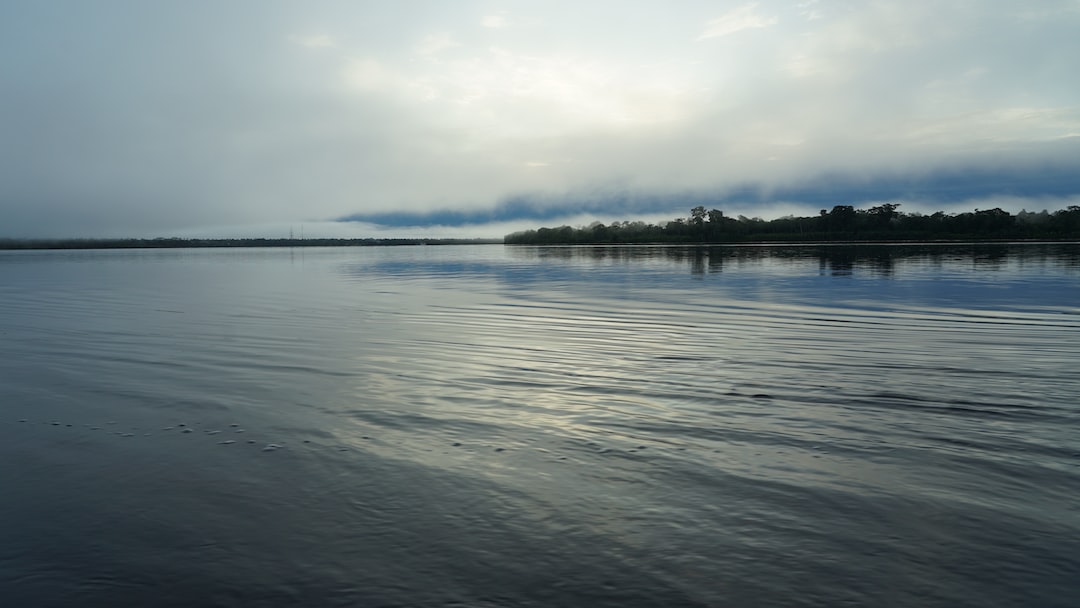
490 426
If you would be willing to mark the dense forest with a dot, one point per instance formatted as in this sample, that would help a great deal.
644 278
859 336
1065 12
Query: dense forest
843 223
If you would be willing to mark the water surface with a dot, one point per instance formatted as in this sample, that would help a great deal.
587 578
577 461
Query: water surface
492 426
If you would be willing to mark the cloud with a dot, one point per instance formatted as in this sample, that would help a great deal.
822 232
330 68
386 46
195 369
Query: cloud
494 21
523 95
935 190
324 110
808 9
315 41
743 18
434 44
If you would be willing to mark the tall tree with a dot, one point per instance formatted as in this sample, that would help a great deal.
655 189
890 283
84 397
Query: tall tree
697 216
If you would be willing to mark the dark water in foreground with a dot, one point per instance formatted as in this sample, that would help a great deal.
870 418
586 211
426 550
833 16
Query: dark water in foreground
488 426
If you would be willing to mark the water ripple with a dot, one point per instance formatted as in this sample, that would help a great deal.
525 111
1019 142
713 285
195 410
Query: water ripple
480 426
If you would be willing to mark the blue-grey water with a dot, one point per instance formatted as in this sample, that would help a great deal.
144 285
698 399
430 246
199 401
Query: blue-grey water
495 426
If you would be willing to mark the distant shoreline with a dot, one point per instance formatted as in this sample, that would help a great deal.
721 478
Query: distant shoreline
171 243
179 243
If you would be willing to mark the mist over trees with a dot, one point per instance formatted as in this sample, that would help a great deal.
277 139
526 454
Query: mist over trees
883 222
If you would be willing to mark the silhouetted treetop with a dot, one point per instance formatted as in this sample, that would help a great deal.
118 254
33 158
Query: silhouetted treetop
882 222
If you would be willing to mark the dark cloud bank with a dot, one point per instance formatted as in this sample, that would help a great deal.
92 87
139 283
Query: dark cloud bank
944 188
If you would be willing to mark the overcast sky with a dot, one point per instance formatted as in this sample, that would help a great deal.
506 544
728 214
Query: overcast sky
138 118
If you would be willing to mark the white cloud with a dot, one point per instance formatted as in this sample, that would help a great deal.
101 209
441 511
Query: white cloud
494 21
315 41
743 18
434 44
513 95
370 75
809 11
999 126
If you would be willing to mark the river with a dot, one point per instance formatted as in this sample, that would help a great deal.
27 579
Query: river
541 426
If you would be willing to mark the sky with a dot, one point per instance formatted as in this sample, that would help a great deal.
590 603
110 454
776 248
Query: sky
128 118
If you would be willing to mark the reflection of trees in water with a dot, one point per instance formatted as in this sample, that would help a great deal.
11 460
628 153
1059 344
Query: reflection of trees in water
834 260
881 263
696 257
837 261
1071 258
990 258
716 262
697 261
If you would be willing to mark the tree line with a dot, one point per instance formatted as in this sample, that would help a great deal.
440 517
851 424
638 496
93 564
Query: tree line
882 222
